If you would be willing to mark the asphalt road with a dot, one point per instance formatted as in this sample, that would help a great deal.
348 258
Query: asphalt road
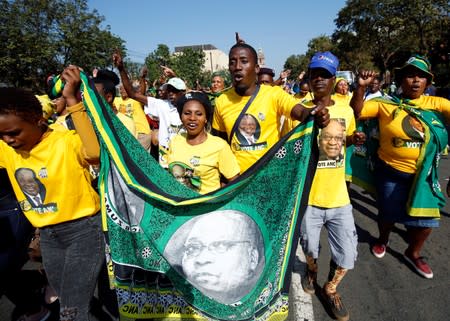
384 289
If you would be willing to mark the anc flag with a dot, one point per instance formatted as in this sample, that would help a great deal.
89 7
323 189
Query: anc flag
179 255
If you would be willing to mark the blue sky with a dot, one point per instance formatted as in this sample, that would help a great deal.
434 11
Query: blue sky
279 28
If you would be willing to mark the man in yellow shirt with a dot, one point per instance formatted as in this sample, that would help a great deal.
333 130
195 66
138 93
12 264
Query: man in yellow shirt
329 204
267 105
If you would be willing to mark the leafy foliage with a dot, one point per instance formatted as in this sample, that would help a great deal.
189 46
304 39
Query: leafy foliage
383 34
41 37
299 63
160 57
188 65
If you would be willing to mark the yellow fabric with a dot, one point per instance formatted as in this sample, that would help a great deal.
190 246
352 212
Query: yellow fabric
307 97
60 123
60 174
85 129
48 107
288 123
128 123
205 161
329 189
266 109
132 108
400 136
345 99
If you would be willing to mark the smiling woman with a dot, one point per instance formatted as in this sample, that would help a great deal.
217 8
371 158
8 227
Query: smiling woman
196 158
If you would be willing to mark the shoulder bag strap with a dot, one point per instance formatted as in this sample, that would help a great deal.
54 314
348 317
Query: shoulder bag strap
238 120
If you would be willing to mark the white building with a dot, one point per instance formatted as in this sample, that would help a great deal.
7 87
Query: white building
215 59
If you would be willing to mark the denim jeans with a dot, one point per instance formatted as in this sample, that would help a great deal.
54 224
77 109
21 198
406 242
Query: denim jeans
73 253
393 189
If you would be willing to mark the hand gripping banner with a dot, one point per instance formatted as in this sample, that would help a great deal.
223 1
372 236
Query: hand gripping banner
179 255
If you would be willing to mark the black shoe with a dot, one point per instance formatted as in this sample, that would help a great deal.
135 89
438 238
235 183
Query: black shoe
336 305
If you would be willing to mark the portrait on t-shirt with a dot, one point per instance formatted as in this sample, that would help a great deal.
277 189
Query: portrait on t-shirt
249 130
332 143
31 186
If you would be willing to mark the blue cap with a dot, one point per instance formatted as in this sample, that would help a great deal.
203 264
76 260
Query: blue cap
325 60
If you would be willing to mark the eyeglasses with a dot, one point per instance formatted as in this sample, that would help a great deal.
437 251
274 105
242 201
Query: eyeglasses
330 137
218 247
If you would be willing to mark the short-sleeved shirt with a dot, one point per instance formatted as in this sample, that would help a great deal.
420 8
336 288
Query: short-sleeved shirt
54 184
200 166
402 136
133 109
259 129
169 123
329 188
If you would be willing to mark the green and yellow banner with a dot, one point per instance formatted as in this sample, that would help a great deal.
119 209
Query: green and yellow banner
179 255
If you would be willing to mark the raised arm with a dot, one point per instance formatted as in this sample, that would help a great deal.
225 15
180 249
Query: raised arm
83 125
142 80
365 77
283 75
118 62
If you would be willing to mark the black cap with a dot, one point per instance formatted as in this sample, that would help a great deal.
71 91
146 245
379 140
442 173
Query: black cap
199 96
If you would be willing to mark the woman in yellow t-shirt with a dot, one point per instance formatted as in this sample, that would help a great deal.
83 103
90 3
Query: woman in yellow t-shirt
196 158
403 138
49 172
341 91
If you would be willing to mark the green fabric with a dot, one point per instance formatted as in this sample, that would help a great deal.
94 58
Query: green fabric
360 162
148 213
418 62
425 198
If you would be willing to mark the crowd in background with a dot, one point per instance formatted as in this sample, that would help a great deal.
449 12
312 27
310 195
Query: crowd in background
206 138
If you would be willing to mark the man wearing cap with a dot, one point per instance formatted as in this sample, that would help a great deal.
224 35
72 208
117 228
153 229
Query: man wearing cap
265 103
163 110
329 204
412 135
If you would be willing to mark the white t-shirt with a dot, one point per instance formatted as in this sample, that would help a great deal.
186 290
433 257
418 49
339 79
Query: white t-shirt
370 96
169 123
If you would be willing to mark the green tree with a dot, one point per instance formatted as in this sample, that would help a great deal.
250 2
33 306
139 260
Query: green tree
41 37
321 43
160 57
297 64
386 32
188 65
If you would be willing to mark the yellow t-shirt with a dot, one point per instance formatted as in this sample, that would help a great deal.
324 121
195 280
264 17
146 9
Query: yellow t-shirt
307 97
60 123
329 189
259 129
402 136
345 99
200 166
52 182
288 123
129 123
133 109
